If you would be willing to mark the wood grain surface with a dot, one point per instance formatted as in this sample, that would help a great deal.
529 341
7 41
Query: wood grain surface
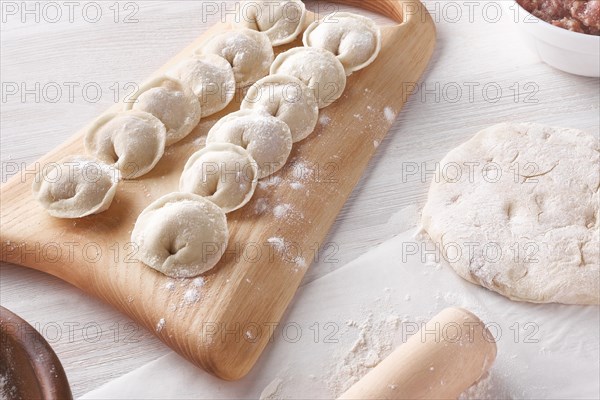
272 238
97 343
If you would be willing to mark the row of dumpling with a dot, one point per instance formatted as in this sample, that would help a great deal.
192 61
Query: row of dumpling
281 108
253 143
278 110
128 144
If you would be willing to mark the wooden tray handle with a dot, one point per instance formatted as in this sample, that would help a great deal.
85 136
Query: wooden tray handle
401 11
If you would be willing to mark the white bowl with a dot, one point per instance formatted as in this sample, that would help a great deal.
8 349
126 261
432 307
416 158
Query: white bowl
572 52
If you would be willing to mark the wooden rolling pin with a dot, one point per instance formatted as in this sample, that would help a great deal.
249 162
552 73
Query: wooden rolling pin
440 361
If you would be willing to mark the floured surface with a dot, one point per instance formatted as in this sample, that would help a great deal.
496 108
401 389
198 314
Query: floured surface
537 343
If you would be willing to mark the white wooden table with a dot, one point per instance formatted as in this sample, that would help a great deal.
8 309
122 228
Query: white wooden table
481 74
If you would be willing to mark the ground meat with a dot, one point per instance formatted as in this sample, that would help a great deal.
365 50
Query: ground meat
588 12
575 15
568 23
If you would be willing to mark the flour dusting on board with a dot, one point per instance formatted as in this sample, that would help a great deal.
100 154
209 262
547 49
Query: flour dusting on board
261 206
296 185
277 243
324 120
191 295
282 210
199 282
389 114
273 180
160 325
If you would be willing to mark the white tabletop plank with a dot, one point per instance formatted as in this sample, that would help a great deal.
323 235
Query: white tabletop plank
108 54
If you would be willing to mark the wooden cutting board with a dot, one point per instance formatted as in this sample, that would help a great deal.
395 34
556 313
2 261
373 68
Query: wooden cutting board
223 321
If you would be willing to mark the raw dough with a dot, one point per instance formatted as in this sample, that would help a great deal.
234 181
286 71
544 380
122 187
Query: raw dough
223 173
170 101
267 139
134 141
281 21
210 77
76 186
249 53
319 69
288 99
515 209
181 235
354 39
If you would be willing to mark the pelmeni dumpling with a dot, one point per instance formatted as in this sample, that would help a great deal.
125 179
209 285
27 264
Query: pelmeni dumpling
288 99
181 235
210 77
75 187
319 69
249 53
281 21
170 101
134 141
267 139
223 173
354 39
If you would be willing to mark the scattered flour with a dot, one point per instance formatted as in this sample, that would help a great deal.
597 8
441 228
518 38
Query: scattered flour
376 143
278 243
281 210
301 171
296 185
170 285
199 282
271 391
389 114
160 325
375 341
7 392
250 335
200 141
191 296
272 180
261 206
300 261
484 389
325 119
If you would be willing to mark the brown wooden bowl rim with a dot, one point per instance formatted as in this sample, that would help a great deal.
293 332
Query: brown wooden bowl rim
48 371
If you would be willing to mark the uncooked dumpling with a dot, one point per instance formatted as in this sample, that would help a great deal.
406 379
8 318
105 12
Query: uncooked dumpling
281 21
249 53
75 187
288 99
134 141
170 101
223 173
210 77
354 39
181 235
267 139
515 210
316 68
